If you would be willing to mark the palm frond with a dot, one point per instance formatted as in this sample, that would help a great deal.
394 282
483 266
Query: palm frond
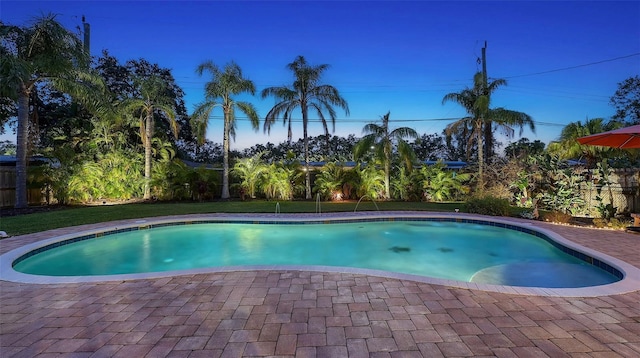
250 111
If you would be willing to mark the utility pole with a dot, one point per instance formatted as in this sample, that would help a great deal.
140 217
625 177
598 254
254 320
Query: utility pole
485 125
484 66
87 36
485 91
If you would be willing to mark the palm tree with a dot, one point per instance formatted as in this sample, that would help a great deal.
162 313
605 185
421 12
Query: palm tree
476 101
567 146
153 101
379 139
218 92
306 93
42 52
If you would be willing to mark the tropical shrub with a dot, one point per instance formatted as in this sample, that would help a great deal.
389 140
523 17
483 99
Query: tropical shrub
56 179
115 175
202 183
351 182
174 180
371 182
440 184
170 180
277 182
488 205
521 184
329 182
602 177
297 174
85 184
612 223
406 185
559 185
556 216
564 193
250 171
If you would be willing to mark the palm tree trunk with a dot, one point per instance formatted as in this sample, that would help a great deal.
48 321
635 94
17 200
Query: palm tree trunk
21 148
225 157
387 170
307 177
147 155
480 155
488 141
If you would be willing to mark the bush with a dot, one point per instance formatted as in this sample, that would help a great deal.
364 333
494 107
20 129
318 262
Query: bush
556 217
498 191
488 205
613 223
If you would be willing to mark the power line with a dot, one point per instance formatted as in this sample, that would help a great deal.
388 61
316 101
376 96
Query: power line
417 120
351 120
578 96
574 67
549 124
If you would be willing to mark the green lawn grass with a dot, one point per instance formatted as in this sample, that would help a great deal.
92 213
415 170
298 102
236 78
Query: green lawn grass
80 215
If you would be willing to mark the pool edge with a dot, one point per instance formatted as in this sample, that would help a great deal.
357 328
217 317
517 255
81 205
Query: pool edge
629 283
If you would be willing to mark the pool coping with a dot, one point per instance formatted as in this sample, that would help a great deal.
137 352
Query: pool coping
629 283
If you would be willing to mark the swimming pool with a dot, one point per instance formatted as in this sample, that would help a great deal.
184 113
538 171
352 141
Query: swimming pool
402 237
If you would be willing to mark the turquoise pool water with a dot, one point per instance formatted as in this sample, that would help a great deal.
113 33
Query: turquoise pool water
448 250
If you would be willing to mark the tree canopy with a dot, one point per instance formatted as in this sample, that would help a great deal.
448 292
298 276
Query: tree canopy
626 100
42 51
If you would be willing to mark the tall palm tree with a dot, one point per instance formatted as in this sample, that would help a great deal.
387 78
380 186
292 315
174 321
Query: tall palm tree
43 52
567 146
306 93
381 140
218 93
153 101
477 101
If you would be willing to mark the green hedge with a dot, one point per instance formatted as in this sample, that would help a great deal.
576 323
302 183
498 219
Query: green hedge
489 206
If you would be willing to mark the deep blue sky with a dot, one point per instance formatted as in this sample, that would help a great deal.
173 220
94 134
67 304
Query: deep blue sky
393 56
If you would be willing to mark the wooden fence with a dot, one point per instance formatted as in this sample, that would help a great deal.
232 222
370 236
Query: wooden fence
8 189
622 193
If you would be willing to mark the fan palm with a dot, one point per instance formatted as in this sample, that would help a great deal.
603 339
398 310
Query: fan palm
218 93
379 139
153 101
476 101
44 51
306 93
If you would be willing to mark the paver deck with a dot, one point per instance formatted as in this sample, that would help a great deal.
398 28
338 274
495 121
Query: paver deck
291 313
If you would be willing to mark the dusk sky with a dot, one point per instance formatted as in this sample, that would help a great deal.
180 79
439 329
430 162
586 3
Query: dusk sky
562 60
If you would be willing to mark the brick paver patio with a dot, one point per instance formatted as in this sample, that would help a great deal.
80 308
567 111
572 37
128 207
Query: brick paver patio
315 314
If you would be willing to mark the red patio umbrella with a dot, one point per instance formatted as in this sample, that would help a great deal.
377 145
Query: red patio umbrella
628 137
